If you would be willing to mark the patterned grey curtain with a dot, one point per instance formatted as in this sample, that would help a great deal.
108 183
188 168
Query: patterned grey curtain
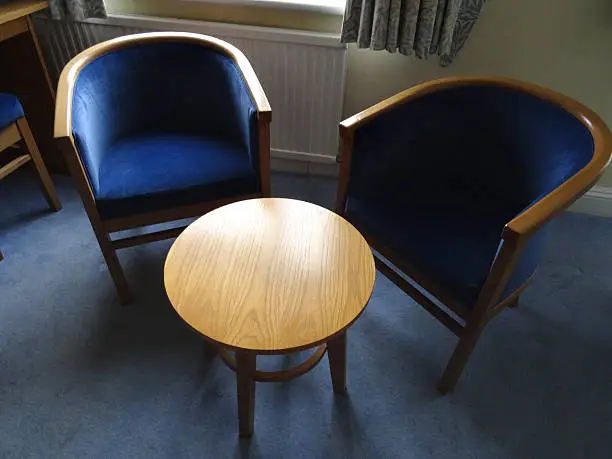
421 27
77 9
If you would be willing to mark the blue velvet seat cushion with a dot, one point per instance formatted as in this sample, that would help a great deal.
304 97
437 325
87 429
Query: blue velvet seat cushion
450 238
10 109
155 172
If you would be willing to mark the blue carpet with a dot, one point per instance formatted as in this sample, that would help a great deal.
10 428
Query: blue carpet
82 377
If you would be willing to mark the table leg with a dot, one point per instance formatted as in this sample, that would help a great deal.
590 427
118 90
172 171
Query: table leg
210 350
245 374
336 352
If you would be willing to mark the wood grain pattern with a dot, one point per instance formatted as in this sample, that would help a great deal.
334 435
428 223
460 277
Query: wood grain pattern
12 28
46 184
63 109
270 275
19 8
9 135
13 165
281 375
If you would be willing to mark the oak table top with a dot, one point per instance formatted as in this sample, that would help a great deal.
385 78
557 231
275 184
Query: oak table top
269 275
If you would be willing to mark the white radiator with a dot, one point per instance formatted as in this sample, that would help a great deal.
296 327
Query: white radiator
302 73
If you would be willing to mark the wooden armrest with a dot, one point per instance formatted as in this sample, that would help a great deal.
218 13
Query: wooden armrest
13 165
63 108
264 112
349 125
534 217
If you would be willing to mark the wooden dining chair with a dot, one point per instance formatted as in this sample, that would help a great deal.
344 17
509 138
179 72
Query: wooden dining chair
158 127
14 129
452 183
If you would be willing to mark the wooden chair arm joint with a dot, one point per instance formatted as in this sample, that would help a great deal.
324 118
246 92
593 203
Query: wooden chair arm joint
537 215
264 116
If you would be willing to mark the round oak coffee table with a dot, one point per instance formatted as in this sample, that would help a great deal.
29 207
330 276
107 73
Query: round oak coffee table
271 276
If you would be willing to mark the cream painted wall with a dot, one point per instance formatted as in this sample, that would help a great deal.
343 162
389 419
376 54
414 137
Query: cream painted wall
563 44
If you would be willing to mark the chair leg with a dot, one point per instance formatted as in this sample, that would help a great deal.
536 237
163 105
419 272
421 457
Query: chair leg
210 350
114 267
514 303
245 383
336 352
457 362
43 175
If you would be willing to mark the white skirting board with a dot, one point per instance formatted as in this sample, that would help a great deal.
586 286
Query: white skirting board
303 163
597 201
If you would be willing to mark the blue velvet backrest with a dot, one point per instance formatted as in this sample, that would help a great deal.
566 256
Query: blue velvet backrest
160 88
504 146
507 144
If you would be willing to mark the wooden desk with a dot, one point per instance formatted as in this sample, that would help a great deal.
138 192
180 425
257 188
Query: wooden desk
24 73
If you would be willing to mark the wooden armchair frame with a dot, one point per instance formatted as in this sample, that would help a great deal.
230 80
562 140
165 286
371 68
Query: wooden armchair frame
468 323
63 135
19 131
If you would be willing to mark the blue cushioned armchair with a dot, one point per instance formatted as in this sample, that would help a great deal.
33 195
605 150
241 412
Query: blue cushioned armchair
452 181
159 127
